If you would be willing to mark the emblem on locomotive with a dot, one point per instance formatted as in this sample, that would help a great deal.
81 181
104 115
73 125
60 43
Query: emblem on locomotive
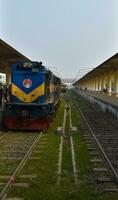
27 83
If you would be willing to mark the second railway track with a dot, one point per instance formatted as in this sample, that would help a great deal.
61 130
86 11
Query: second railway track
101 136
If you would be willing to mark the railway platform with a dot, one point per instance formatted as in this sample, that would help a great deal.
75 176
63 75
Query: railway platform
106 102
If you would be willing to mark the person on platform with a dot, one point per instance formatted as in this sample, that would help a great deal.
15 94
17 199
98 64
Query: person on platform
1 94
5 91
10 92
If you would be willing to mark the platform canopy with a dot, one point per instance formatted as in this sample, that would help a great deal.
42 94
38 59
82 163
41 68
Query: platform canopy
109 65
9 55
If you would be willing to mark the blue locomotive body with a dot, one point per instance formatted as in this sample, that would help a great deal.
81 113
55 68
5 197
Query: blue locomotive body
34 97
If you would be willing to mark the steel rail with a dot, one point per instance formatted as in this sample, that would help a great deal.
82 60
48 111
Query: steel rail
60 160
3 136
70 118
73 160
72 149
19 168
64 119
61 149
109 164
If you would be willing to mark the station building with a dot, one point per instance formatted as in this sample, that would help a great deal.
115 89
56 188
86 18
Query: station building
103 78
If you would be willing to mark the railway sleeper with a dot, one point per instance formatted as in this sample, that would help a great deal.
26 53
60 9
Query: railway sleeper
87 138
94 153
104 179
20 176
34 158
14 151
19 158
111 189
89 145
43 142
17 146
91 148
41 146
11 158
16 184
86 135
35 151
100 169
96 160
14 198
89 142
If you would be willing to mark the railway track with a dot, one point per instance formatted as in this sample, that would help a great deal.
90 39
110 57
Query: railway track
3 134
66 140
15 150
101 136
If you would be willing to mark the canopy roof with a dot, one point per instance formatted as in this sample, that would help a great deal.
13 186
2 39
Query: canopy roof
9 55
107 66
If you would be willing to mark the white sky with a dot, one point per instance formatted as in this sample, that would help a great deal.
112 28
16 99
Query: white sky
65 34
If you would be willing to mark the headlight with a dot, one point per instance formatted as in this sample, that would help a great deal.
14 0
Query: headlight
27 65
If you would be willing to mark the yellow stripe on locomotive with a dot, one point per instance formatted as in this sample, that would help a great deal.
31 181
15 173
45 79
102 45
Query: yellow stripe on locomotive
28 98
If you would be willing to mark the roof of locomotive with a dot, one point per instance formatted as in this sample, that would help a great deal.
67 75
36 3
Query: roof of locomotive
21 66
28 66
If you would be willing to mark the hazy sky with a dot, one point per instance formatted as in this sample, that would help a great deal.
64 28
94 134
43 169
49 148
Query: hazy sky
67 34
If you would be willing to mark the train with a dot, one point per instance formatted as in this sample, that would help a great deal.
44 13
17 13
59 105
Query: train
63 88
34 96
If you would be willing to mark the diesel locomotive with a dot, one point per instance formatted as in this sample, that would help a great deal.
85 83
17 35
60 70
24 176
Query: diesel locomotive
34 97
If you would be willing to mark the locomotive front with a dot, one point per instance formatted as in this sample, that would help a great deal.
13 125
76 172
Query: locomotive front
29 106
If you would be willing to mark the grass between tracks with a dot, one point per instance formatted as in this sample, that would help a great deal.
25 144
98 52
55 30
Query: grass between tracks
44 187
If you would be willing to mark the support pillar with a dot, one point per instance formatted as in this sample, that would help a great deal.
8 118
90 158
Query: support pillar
8 74
100 84
109 84
116 83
